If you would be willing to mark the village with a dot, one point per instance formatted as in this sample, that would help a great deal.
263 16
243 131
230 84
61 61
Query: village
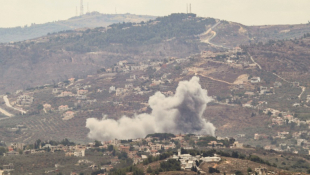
124 88
139 151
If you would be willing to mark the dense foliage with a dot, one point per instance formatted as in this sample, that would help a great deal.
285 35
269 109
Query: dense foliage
132 34
161 136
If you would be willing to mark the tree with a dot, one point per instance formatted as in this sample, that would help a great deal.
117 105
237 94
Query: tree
194 169
213 170
40 107
269 113
249 169
238 172
2 150
110 148
97 143
235 154
149 170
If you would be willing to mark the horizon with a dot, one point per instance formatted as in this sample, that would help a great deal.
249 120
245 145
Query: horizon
247 12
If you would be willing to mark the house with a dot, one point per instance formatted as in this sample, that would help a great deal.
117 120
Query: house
308 98
259 136
249 93
112 89
277 84
129 86
133 77
56 90
9 167
295 84
288 117
255 80
237 145
63 108
82 92
79 153
168 93
263 90
47 106
69 154
24 100
124 149
277 121
237 49
120 91
71 80
65 94
68 115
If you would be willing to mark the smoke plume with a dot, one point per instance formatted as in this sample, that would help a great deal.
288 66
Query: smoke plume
181 113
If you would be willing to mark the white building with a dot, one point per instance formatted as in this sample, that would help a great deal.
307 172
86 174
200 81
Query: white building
112 89
79 153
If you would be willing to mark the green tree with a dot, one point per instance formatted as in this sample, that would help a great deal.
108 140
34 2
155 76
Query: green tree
149 170
110 148
97 143
40 107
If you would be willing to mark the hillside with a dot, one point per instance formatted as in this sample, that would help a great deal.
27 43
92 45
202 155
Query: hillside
231 34
57 57
89 20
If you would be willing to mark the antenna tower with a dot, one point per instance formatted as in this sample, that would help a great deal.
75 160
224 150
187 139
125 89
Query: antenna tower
190 8
76 11
82 8
87 8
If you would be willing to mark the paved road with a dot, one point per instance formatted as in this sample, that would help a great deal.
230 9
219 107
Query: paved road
208 40
302 91
255 61
222 81
5 113
7 103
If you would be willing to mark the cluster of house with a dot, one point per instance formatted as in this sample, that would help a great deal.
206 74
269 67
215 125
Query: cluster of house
24 100
282 118
188 161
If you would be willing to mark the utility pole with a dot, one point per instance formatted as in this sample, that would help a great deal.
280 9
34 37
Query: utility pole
82 8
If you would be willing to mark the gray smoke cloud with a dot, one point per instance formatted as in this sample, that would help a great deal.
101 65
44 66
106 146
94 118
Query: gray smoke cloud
180 113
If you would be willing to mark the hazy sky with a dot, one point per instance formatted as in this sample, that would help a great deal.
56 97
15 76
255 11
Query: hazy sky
250 12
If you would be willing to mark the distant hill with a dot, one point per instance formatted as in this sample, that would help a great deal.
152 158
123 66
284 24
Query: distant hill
57 57
90 20
77 53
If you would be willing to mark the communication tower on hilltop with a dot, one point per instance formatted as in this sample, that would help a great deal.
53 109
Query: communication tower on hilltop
82 8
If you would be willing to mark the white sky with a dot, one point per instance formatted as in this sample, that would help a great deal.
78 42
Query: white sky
249 12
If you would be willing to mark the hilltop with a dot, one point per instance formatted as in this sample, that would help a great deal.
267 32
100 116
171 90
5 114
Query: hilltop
77 53
89 20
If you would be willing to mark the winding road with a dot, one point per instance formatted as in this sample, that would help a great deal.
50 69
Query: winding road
7 103
205 39
255 61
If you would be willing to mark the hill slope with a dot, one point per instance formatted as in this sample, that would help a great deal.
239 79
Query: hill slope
90 20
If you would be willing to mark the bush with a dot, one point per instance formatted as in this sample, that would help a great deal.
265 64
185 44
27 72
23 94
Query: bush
238 172
213 170
170 165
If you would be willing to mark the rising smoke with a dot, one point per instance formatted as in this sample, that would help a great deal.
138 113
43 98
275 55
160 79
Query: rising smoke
181 113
